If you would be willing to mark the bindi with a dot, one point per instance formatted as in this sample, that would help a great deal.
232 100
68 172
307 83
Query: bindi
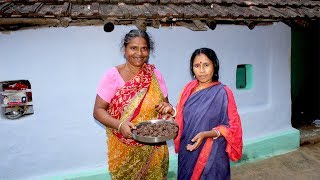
200 62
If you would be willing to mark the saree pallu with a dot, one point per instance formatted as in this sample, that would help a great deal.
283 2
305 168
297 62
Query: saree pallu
202 111
135 102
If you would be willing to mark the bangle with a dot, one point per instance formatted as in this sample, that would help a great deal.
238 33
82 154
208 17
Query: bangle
217 132
175 112
120 125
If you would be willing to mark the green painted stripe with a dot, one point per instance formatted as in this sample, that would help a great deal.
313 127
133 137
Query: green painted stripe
254 150
268 146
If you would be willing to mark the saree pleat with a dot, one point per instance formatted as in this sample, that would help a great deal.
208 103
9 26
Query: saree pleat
128 159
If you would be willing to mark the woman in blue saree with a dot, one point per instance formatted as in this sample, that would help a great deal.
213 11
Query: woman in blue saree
210 130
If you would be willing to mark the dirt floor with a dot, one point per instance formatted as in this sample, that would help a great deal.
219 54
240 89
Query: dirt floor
300 164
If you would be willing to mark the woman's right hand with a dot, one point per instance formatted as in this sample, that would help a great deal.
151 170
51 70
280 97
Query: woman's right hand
197 141
125 129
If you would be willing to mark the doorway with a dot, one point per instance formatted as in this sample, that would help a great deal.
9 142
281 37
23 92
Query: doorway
305 74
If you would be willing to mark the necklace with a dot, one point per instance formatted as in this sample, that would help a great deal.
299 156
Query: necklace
129 70
127 73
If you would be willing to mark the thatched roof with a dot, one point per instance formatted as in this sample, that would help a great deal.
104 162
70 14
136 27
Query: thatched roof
193 14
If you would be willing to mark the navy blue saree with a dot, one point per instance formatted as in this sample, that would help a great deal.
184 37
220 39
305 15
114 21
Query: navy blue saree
202 111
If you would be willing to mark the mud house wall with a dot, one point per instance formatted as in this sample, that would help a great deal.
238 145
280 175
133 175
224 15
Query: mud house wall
64 66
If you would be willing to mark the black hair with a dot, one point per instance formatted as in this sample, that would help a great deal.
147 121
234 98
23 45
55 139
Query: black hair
212 56
137 33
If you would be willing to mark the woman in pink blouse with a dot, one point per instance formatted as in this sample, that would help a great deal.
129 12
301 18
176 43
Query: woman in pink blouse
129 94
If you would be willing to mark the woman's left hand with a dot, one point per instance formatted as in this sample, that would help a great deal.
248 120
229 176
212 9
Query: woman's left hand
164 108
197 140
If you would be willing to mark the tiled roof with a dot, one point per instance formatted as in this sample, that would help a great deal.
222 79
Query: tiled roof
16 14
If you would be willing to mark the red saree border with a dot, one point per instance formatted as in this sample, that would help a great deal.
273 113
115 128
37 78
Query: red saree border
202 159
141 81
233 133
186 92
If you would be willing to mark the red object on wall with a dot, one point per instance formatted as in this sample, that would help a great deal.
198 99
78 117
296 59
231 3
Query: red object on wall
16 86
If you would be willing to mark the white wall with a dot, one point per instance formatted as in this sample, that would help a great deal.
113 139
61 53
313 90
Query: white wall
64 66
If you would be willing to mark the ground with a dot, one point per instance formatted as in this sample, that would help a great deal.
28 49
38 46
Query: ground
303 163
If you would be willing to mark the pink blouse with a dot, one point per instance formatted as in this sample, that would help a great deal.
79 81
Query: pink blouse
112 81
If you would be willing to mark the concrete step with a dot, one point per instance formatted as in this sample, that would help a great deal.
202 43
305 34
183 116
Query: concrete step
309 134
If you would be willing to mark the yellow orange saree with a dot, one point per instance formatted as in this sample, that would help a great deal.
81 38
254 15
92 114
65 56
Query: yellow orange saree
135 102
